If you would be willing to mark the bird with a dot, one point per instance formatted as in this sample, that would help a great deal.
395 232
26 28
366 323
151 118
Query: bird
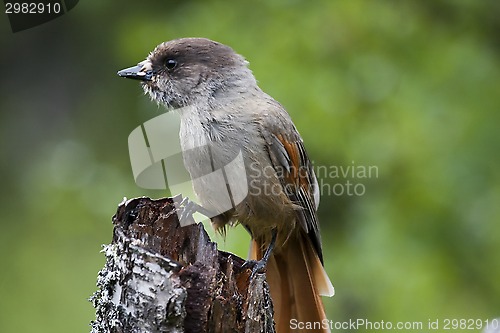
221 105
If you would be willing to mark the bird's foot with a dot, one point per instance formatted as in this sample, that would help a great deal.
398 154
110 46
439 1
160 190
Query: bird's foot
256 266
186 208
259 266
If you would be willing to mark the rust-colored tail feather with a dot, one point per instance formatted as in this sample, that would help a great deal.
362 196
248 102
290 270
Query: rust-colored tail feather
296 279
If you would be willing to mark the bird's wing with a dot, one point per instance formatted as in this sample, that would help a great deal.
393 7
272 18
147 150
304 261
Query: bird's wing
294 169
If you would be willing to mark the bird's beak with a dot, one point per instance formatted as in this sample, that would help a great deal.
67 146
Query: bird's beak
142 71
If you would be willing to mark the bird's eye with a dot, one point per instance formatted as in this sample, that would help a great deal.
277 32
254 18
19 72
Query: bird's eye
170 64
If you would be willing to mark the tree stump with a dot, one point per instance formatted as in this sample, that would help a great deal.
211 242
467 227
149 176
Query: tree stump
161 277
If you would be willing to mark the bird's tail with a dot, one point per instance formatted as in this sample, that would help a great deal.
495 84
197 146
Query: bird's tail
296 280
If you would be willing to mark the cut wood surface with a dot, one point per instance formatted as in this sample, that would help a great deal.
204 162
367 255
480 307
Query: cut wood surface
161 277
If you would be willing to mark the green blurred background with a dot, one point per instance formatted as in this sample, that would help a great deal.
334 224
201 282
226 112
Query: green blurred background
411 87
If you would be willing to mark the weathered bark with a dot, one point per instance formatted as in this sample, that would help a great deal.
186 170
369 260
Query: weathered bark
161 277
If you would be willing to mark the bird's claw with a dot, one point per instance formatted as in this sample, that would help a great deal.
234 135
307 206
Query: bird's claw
186 208
256 266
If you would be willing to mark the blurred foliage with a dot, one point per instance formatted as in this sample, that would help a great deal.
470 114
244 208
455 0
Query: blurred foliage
411 87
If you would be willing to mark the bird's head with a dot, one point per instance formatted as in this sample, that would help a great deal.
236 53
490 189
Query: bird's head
186 71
